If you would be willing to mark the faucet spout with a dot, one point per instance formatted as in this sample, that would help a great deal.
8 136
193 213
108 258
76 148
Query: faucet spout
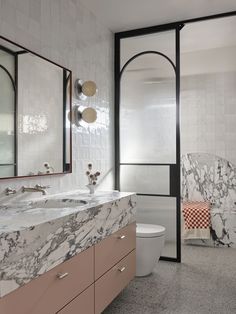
34 189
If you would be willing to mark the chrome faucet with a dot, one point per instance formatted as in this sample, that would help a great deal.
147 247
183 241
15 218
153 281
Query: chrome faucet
36 188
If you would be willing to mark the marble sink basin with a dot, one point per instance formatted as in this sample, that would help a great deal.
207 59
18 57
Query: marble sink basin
56 204
25 214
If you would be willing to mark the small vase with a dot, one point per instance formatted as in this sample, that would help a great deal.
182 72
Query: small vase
91 188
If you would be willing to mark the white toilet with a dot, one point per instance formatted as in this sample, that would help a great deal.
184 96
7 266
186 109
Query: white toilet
149 244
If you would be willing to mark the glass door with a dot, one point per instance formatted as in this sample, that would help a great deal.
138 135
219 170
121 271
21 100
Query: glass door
147 130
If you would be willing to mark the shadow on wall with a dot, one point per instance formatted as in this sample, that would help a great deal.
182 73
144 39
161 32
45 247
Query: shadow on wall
207 177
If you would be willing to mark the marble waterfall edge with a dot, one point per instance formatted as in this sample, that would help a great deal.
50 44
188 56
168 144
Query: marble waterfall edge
28 253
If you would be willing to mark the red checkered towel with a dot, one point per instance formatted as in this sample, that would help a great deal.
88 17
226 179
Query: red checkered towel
197 220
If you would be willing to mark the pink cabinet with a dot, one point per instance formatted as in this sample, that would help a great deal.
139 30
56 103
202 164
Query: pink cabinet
53 290
114 281
85 284
112 249
83 304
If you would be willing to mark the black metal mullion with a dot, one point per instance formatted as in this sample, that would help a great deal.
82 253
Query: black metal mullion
64 119
177 188
154 195
168 259
15 118
170 26
117 112
145 164
7 50
21 52
5 165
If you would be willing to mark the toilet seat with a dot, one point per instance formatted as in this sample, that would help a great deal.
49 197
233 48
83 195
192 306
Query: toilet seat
149 231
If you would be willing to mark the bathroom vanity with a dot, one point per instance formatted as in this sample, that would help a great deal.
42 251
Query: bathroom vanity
68 253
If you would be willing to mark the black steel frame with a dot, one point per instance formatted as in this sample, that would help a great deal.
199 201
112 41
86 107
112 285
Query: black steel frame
67 168
175 189
15 117
64 119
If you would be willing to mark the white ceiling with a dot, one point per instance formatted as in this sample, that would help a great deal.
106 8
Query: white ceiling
204 35
120 15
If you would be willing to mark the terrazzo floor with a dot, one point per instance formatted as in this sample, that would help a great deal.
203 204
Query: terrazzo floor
205 282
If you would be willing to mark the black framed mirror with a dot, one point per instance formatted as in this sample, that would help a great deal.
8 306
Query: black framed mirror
35 109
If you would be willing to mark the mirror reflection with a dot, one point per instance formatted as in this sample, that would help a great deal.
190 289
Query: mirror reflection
35 99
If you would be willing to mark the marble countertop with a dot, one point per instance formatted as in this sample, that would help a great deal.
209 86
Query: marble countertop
37 235
17 216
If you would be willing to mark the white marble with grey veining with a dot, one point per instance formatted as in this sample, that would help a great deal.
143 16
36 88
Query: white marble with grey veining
206 177
37 235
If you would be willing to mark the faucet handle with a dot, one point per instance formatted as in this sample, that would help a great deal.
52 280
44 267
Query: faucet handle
23 189
9 191
38 186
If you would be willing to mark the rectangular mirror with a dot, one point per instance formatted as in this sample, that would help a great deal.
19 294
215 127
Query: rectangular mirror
35 109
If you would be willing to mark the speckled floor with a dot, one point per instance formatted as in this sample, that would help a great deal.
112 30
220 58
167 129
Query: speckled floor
205 282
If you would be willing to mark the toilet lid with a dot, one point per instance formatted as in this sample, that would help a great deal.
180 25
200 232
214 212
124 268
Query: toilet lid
149 231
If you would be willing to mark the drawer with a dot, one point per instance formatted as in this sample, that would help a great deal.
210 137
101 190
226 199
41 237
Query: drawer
48 293
113 282
83 304
112 249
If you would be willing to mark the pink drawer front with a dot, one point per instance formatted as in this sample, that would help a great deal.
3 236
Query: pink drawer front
83 304
53 290
113 282
112 249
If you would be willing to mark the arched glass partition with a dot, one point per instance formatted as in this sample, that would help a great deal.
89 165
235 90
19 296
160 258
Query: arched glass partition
148 137
147 123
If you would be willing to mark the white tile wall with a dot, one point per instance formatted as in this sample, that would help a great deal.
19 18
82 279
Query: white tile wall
67 33
208 114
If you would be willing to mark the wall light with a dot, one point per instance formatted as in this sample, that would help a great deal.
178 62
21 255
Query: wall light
88 115
85 89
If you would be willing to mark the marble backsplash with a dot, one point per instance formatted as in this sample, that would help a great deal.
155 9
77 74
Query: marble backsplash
206 177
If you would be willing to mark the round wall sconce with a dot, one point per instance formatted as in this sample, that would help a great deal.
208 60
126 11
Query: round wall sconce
88 115
85 89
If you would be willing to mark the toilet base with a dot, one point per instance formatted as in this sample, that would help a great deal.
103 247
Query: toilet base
148 252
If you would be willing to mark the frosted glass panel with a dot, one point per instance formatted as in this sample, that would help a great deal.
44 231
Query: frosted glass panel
6 171
148 111
145 179
160 211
